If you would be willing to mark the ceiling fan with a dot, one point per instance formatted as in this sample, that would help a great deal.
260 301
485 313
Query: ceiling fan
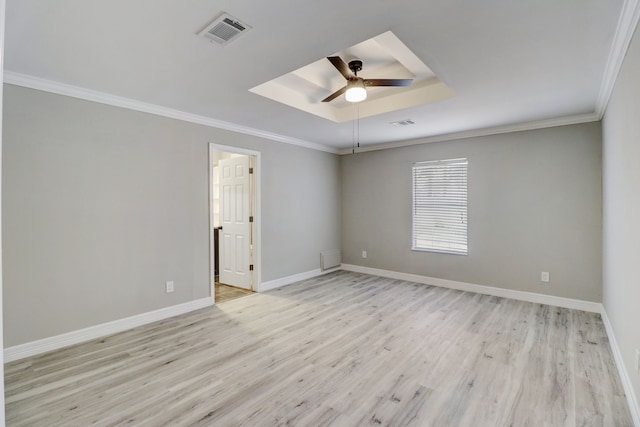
355 90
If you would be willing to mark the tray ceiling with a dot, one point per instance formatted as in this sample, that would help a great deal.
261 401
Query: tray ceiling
507 62
383 56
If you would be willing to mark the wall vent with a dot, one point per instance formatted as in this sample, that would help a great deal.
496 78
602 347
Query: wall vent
330 259
224 29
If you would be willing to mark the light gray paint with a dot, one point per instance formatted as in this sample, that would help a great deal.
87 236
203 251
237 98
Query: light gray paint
2 23
534 205
621 242
300 208
102 205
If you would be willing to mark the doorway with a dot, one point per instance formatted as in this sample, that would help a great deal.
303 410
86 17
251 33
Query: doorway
235 221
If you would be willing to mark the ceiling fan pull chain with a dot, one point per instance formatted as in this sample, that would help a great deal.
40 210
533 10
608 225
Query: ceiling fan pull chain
358 120
353 132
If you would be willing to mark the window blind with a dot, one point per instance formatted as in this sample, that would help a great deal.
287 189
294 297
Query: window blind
440 206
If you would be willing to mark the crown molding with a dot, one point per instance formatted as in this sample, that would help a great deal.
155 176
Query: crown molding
495 130
32 82
627 24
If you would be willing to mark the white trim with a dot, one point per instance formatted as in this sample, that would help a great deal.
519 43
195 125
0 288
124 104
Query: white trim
212 246
257 238
25 80
634 407
495 130
594 307
627 23
446 181
74 337
284 281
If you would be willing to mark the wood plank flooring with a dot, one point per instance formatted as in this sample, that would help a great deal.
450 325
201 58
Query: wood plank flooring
227 293
343 349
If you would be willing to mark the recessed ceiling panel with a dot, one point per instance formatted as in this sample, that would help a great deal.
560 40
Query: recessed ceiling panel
383 57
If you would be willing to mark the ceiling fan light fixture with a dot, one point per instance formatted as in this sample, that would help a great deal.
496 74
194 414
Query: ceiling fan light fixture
356 91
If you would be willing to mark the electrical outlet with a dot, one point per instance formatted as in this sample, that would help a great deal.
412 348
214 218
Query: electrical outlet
544 276
169 287
364 254
637 361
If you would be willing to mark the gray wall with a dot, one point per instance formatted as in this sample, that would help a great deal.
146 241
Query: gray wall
621 173
534 205
300 208
2 23
102 205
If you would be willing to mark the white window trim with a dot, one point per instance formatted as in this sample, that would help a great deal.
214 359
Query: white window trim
464 246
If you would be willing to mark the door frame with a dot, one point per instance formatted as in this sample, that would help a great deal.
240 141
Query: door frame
257 222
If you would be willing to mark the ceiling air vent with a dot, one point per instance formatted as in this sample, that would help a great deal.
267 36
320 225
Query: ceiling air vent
224 29
406 122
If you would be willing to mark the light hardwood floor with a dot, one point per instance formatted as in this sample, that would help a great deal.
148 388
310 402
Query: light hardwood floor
343 349
227 293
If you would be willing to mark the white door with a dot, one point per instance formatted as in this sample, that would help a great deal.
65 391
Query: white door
235 236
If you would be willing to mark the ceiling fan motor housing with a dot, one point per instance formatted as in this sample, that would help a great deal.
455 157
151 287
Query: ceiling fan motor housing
355 66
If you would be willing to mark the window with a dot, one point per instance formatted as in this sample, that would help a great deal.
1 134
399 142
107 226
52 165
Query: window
440 206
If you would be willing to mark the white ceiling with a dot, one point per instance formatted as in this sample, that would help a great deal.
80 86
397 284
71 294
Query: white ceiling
507 61
383 56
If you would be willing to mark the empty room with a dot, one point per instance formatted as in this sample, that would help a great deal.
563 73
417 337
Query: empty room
410 213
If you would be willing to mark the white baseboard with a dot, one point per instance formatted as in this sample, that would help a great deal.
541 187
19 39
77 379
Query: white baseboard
634 407
53 343
594 307
283 281
74 337
529 297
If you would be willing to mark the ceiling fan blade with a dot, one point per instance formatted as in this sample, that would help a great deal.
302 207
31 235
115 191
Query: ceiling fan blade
388 82
335 94
341 66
